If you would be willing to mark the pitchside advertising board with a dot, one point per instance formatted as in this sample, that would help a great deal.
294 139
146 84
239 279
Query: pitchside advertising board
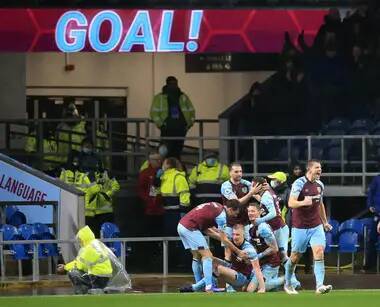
17 185
189 31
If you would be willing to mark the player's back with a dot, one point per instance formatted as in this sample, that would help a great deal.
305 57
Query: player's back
269 198
307 216
202 216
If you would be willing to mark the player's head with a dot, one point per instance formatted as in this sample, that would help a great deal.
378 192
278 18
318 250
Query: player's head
261 181
314 169
254 209
169 163
155 159
236 172
232 207
238 234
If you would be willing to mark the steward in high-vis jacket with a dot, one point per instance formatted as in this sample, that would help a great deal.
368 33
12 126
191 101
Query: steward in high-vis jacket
174 114
92 268
206 179
175 193
102 204
74 176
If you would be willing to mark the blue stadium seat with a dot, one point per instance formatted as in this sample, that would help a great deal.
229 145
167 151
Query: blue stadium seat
16 219
335 229
354 225
109 231
367 224
363 124
348 243
43 233
28 232
378 254
10 233
330 243
14 216
336 124
40 228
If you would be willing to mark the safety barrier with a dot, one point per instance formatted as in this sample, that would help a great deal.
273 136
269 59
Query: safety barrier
35 259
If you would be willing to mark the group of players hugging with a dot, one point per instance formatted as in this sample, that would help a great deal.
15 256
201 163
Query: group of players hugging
255 238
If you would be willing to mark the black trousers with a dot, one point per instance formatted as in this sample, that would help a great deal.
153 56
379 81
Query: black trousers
95 222
82 282
175 147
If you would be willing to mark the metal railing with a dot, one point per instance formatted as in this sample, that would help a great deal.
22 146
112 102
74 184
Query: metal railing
129 140
342 167
257 154
35 259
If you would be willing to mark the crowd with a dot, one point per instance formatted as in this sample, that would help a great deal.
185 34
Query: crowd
335 76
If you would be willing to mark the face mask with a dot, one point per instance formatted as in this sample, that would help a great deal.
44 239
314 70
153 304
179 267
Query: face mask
210 162
274 184
87 150
163 151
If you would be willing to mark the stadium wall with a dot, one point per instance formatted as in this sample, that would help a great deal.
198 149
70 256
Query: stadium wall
144 74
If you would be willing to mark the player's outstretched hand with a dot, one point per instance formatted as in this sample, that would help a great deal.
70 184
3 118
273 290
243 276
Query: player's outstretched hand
372 209
327 227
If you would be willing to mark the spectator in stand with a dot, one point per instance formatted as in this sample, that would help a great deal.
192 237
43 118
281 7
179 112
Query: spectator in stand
332 28
296 171
174 114
70 133
162 151
150 196
89 160
206 178
175 192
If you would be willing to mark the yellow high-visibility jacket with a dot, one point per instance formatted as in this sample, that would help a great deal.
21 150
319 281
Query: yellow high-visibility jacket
93 257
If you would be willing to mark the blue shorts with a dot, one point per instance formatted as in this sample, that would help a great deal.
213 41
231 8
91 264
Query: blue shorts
282 238
301 237
269 273
228 231
241 280
192 239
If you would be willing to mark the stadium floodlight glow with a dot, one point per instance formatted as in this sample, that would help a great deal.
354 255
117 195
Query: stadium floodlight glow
72 29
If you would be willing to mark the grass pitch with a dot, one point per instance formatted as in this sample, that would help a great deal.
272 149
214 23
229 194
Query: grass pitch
305 299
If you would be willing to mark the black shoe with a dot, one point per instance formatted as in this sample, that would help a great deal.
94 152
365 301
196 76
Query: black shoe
186 289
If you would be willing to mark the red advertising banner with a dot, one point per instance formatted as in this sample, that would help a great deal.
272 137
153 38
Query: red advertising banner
190 31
